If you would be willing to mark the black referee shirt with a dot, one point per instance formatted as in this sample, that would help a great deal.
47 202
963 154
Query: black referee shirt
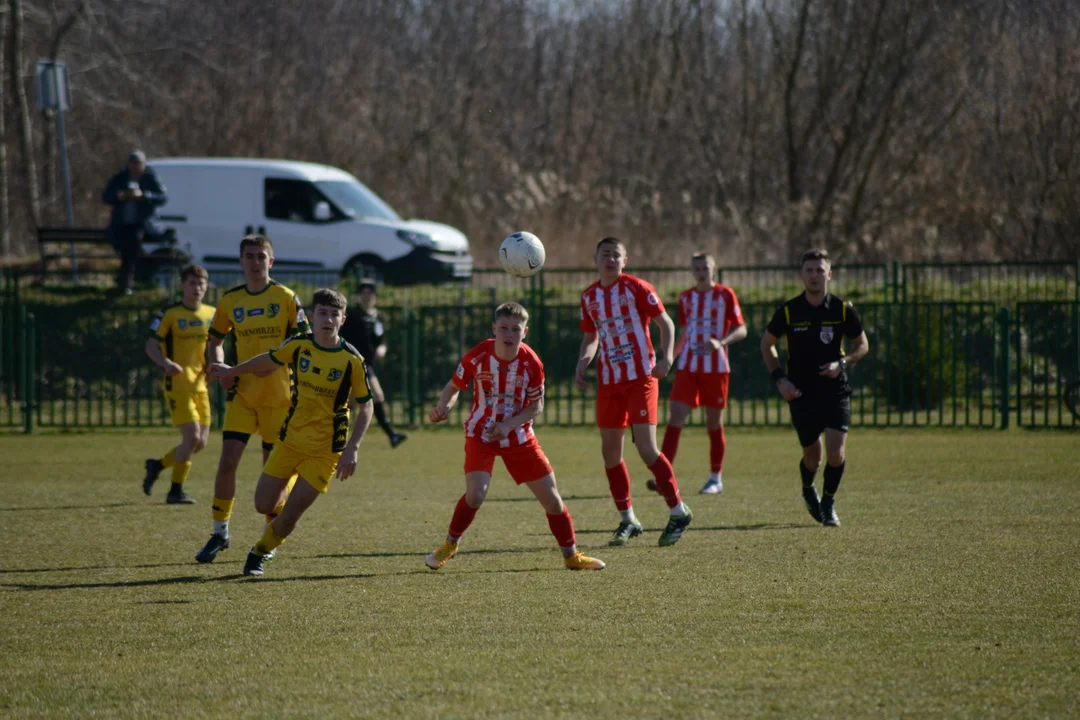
813 336
364 330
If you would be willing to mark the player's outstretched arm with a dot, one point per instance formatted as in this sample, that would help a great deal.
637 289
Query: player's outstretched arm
362 412
772 364
153 350
258 365
667 345
447 400
589 343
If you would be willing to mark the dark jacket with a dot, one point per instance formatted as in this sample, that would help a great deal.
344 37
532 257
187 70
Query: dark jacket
153 196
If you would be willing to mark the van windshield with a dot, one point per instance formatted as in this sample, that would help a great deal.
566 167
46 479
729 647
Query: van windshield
355 200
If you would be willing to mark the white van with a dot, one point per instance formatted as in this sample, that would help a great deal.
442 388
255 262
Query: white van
318 218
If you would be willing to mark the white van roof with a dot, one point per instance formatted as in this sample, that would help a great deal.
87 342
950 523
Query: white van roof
285 168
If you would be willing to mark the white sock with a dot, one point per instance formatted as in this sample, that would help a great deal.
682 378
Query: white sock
568 551
221 527
715 477
679 510
629 516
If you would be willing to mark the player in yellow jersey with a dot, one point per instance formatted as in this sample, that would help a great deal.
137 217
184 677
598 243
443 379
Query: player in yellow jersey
261 314
315 440
177 344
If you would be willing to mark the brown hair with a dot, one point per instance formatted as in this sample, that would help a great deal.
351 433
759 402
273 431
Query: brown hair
703 256
258 241
610 241
329 298
815 254
514 311
197 270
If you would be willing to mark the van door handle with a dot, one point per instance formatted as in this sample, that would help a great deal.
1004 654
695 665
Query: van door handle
248 230
262 229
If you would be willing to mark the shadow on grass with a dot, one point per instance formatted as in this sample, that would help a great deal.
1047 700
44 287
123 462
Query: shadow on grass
531 499
480 551
19 571
719 528
70 507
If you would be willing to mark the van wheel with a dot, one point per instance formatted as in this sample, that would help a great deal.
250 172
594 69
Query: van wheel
364 267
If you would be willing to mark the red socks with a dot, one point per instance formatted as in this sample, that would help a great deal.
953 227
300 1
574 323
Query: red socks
463 517
619 482
562 527
671 442
665 480
717 446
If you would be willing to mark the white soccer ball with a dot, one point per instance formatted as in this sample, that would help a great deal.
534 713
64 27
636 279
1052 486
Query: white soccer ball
522 254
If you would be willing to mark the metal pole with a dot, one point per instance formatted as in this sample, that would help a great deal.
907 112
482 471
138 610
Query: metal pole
61 139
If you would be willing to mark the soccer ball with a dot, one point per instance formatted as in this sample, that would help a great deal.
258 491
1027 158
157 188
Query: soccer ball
522 254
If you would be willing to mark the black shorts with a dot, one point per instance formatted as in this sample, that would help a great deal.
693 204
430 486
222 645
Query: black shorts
812 417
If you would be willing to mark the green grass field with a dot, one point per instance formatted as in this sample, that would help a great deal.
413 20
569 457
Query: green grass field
950 591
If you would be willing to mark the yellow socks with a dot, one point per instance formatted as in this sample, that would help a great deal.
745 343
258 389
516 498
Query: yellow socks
180 472
170 458
269 541
222 509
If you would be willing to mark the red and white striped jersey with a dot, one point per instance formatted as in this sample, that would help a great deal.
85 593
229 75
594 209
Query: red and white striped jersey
620 316
705 315
500 389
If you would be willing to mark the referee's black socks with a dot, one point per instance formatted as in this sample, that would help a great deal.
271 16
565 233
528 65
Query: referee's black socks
807 475
380 416
832 477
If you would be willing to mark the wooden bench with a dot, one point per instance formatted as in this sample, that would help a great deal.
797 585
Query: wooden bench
60 243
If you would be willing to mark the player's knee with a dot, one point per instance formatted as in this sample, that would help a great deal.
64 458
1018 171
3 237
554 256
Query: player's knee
474 497
836 458
812 461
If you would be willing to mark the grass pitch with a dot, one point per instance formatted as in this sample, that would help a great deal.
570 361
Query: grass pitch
950 591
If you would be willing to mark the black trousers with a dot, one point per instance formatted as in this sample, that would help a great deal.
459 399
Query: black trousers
127 239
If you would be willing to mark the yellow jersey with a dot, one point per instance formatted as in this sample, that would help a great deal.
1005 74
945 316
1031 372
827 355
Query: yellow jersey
261 322
323 381
182 333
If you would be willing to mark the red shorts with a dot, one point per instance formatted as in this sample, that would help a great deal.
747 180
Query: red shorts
525 463
701 388
627 403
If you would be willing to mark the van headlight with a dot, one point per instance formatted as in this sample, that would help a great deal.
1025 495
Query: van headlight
416 239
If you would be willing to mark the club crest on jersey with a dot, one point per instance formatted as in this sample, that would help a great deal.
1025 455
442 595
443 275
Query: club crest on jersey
305 363
826 335
273 309
238 314
334 375
652 299
182 324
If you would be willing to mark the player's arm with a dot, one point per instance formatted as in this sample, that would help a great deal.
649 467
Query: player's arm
736 334
447 400
502 429
153 351
259 365
589 343
859 344
363 410
220 326
667 345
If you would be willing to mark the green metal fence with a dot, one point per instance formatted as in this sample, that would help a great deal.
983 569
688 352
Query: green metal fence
76 359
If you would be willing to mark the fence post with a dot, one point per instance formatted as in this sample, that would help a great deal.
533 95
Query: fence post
413 370
28 369
1077 279
896 282
1004 367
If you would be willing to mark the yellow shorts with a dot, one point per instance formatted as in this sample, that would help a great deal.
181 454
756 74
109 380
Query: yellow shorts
266 421
317 470
188 407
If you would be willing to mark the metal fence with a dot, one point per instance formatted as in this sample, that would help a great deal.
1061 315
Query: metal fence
69 357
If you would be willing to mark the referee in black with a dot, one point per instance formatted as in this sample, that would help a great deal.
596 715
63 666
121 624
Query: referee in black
364 330
815 383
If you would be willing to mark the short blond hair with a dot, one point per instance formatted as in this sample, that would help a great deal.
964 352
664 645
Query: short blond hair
514 311
703 256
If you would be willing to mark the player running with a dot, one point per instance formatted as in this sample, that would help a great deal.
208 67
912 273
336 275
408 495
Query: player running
615 316
508 393
177 344
711 320
327 372
261 314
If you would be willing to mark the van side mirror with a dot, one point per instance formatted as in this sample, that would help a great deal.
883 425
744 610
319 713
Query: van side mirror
322 211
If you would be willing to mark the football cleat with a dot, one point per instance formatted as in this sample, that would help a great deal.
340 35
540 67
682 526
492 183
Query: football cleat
712 487
581 561
254 564
179 497
625 532
213 546
398 438
153 469
828 512
650 484
813 505
675 528
441 555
